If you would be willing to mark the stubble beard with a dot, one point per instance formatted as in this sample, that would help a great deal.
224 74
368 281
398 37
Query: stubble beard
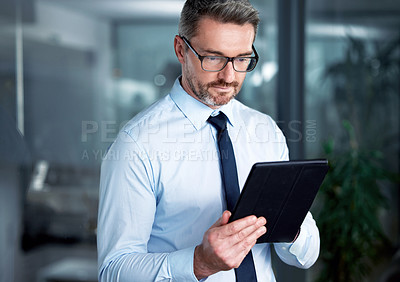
203 94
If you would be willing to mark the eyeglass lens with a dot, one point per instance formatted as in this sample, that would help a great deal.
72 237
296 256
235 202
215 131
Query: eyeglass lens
212 63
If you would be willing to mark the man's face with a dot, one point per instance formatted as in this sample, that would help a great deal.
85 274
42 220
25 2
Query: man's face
215 39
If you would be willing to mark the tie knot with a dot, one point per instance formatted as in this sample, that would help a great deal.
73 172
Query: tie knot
219 121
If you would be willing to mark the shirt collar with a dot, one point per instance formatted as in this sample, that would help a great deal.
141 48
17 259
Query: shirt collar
195 111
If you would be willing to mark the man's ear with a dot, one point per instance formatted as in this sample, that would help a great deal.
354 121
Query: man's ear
179 47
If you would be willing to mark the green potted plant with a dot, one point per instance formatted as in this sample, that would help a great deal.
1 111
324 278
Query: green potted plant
350 199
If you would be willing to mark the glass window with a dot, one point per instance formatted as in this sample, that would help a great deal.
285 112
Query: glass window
259 89
145 64
349 50
351 108
10 206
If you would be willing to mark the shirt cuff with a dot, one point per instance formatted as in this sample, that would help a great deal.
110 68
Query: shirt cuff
300 246
181 265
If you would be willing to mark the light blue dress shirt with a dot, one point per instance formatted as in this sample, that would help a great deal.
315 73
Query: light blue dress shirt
161 189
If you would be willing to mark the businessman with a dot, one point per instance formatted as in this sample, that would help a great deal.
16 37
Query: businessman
173 174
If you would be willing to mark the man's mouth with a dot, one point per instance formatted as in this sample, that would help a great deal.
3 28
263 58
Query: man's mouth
222 86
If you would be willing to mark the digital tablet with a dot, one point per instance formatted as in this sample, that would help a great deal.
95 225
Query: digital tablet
283 193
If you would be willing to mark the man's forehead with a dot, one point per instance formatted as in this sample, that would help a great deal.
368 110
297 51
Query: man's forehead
224 37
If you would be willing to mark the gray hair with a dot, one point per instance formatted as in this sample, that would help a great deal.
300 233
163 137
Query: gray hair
225 11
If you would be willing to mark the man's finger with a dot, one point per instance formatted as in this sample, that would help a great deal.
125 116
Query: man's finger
256 230
243 247
225 217
240 224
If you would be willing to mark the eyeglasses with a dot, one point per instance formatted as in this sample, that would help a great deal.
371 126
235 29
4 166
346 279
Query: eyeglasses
218 63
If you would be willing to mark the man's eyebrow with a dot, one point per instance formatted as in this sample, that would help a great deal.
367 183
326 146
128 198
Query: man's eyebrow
218 53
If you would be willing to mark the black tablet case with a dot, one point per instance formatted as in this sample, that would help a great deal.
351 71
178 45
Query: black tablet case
283 193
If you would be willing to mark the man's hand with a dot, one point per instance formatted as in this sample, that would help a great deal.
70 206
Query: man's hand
225 245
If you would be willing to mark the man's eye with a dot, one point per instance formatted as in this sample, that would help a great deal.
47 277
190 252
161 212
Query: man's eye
242 60
214 59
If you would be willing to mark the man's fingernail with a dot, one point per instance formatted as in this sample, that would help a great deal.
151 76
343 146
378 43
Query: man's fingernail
261 221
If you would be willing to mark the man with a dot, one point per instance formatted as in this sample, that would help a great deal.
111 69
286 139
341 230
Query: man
162 212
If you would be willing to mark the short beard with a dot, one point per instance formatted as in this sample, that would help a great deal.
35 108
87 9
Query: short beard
204 95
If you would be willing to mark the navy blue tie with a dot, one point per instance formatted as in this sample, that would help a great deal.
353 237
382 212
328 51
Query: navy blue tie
246 271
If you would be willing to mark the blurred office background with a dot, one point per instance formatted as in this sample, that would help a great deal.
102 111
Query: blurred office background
72 72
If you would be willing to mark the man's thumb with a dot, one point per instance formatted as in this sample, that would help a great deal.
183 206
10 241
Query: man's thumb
225 217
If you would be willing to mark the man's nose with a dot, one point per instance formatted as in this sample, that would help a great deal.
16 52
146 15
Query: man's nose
227 73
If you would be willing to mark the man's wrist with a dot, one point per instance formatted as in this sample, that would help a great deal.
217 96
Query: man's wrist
200 269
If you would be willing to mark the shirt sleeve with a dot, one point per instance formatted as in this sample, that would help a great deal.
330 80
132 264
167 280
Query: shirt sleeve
304 251
127 208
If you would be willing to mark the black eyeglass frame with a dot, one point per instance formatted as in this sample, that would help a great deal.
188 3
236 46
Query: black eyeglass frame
228 59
